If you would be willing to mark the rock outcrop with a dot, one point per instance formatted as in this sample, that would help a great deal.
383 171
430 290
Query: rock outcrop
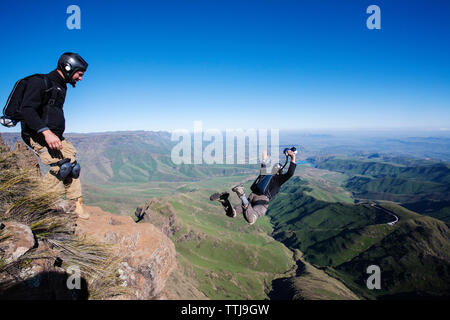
19 239
29 271
161 214
32 266
149 255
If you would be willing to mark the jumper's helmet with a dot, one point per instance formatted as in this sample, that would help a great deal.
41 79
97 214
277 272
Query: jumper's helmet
70 63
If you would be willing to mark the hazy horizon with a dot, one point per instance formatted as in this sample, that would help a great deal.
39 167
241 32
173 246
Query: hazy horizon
341 131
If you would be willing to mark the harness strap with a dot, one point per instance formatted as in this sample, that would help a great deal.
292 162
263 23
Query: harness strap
260 203
50 88
60 162
281 170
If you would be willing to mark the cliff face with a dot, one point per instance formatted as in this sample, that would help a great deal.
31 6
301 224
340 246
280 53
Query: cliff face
161 214
149 256
182 283
40 247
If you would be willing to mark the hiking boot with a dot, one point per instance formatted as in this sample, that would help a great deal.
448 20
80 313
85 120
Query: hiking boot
79 211
219 196
239 189
223 199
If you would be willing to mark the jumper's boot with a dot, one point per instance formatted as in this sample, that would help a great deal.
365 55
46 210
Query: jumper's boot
79 211
239 189
223 199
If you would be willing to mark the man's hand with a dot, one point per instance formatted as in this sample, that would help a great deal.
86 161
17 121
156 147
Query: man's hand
264 156
52 140
292 155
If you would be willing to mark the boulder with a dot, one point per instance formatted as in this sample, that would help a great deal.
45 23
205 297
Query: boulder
19 239
149 255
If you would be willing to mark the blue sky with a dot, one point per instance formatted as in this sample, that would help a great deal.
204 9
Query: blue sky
306 65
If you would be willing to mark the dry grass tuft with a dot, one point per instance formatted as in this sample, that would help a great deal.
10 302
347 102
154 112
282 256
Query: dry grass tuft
22 199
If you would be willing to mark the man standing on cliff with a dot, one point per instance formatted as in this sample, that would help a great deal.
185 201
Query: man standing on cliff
43 127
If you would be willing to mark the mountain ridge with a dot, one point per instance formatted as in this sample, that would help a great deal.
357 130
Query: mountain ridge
340 240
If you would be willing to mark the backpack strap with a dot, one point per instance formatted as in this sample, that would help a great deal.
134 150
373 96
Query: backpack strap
49 94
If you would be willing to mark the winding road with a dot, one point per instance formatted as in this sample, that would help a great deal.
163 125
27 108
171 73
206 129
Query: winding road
386 211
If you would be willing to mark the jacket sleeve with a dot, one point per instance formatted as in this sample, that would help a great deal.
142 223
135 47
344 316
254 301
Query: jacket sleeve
286 176
31 102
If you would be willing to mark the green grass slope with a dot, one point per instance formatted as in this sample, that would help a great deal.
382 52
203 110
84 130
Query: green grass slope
310 283
433 208
225 258
324 185
424 188
414 259
301 220
413 254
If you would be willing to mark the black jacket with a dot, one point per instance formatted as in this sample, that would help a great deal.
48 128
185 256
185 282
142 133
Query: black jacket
278 180
39 117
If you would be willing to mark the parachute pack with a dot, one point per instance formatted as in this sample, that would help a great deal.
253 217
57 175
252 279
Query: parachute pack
261 184
12 112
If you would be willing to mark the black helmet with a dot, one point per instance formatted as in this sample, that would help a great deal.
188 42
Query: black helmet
70 63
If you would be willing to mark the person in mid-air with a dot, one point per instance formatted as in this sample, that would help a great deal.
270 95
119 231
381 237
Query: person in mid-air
264 190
